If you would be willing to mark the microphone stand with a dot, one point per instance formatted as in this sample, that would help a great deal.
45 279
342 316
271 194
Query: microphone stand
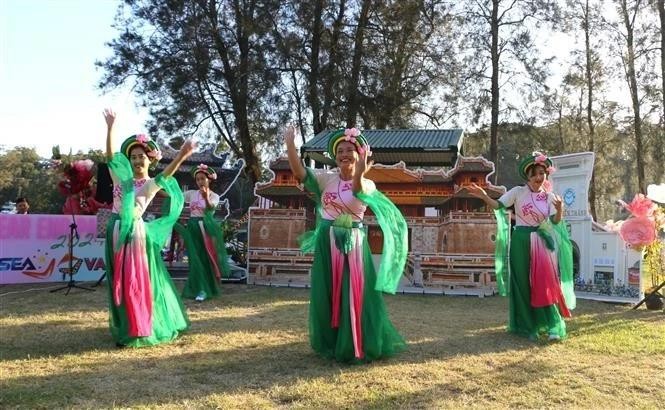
73 232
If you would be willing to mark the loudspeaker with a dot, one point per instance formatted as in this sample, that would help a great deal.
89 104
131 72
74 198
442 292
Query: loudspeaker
104 191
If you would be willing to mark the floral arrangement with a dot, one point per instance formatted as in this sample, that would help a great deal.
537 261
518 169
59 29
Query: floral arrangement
76 185
642 228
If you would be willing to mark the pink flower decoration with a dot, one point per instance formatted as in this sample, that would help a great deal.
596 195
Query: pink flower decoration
641 206
550 170
541 158
203 166
154 154
638 231
142 138
361 150
350 139
352 132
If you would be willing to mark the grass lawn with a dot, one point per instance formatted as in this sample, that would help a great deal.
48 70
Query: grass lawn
249 349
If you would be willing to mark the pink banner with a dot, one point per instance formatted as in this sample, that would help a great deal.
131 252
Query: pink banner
35 248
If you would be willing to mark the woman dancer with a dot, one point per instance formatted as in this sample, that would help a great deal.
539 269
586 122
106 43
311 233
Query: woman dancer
144 306
208 260
347 316
540 259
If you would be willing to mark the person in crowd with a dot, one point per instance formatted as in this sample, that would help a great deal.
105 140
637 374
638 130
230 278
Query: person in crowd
22 205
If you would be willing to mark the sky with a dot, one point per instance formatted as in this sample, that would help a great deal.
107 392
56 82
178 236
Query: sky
48 78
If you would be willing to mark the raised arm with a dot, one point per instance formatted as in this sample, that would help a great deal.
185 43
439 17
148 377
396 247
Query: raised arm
109 117
184 153
557 201
480 193
294 159
362 167
205 193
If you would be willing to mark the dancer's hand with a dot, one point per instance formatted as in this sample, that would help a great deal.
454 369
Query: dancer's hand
476 191
187 149
290 134
295 164
205 192
557 201
109 117
363 165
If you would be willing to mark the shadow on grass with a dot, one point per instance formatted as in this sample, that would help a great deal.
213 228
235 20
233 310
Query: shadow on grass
600 317
37 299
430 324
141 380
52 339
146 380
437 328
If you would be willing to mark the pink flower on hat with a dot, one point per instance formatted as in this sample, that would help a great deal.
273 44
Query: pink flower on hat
541 158
202 166
352 132
142 138
550 170
154 154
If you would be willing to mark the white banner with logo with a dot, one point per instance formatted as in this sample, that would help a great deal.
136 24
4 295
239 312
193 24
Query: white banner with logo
35 248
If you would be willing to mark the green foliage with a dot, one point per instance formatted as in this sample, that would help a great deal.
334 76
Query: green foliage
24 173
654 265
235 71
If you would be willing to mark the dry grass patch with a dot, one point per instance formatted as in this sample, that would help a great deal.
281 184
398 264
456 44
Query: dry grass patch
249 349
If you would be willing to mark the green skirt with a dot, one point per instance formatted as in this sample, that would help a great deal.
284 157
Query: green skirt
525 320
169 318
379 337
201 278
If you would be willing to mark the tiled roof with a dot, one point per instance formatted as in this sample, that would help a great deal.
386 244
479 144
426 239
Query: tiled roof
414 147
442 139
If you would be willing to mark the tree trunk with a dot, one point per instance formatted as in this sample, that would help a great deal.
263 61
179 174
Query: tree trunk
494 122
334 62
661 13
314 102
352 99
589 107
238 86
634 96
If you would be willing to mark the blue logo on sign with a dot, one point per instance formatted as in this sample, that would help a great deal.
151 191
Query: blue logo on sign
569 196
